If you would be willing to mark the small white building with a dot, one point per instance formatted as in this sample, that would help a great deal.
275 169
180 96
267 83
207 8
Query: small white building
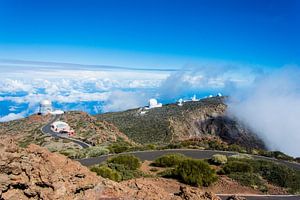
219 94
180 102
153 104
194 98
62 127
45 107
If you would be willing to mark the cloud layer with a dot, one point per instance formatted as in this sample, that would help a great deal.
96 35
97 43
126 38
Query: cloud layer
271 107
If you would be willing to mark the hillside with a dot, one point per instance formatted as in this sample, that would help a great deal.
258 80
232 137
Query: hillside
92 130
35 173
87 128
171 123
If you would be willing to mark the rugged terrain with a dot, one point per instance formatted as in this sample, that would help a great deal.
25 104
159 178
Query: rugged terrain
171 123
92 130
35 173
87 128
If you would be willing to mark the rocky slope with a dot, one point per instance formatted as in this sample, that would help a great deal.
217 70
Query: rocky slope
35 173
92 130
87 128
171 123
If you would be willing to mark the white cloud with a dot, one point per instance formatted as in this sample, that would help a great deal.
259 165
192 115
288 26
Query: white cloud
12 116
13 86
271 107
120 100
209 76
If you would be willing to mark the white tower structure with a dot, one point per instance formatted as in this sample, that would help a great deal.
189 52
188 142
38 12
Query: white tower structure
180 102
45 107
194 98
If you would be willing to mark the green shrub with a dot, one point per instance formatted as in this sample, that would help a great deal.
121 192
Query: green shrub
278 174
96 151
237 166
195 172
241 156
168 173
125 174
150 147
107 172
276 154
236 148
129 161
72 153
275 173
218 159
169 160
249 179
116 148
153 169
216 145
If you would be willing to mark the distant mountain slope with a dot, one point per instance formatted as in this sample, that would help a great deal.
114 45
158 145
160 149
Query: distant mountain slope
174 123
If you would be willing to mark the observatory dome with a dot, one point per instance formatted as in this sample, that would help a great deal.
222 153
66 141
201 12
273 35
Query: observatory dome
152 102
45 107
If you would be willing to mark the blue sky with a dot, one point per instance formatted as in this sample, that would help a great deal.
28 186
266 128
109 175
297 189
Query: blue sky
92 54
172 32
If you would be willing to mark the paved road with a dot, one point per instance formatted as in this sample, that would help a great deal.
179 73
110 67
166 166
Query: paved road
194 153
47 130
200 154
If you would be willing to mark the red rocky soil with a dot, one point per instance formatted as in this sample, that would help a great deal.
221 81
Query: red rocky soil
35 173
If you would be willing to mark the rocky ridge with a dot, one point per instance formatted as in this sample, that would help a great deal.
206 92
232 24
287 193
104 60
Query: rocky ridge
35 173
195 119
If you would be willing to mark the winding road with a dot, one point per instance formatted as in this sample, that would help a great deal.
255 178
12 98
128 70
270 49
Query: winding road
47 130
194 153
200 154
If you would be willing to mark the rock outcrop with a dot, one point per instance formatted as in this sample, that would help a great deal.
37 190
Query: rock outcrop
35 173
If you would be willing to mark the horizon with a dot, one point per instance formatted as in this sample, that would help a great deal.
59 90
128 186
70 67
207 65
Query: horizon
218 45
104 56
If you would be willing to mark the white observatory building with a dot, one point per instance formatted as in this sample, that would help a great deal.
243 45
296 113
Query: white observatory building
153 104
45 107
194 98
180 102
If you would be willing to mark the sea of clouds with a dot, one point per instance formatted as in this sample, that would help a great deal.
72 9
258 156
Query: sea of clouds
266 100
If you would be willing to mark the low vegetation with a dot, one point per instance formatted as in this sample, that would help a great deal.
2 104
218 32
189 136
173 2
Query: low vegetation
218 159
120 168
129 161
195 172
93 151
253 180
237 166
107 172
256 173
169 160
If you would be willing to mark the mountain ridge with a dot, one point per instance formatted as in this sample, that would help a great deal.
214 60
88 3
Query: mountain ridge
194 119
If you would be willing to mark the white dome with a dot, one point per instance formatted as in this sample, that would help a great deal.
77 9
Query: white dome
152 102
46 103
